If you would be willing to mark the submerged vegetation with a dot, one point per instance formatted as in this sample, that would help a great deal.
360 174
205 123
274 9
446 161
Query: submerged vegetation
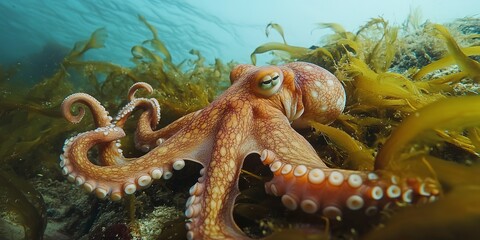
418 115
407 111
33 129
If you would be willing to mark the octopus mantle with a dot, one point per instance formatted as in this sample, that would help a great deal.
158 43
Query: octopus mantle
253 116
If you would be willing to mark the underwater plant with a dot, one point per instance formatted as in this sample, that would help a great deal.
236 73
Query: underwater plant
28 150
20 204
379 127
460 183
381 100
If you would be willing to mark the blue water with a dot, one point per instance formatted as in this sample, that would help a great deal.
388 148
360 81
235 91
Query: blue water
229 30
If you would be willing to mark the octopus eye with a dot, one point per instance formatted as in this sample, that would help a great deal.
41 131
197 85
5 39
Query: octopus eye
269 84
269 81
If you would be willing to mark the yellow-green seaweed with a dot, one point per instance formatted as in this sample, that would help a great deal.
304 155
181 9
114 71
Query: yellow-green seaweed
277 28
456 112
379 101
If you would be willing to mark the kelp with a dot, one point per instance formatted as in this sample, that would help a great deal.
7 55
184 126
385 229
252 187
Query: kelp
293 52
414 20
468 66
277 28
358 156
33 130
96 40
419 120
456 112
378 54
20 204
379 100
385 90
156 43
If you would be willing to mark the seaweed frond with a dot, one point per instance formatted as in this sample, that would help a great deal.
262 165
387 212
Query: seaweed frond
277 28
156 43
96 40
449 113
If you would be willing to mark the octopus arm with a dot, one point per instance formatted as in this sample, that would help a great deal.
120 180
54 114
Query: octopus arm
101 118
210 206
136 173
100 115
303 181
276 136
147 138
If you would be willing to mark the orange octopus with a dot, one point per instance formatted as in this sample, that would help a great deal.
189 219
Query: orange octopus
254 115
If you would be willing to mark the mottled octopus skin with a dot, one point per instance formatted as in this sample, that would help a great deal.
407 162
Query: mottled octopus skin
247 118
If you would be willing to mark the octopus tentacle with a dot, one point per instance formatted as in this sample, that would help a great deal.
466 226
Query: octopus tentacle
210 206
277 136
150 104
115 181
303 181
107 151
334 192
100 115
147 138
137 86
110 152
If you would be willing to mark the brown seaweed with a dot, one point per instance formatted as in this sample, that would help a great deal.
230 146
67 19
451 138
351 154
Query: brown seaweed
381 100
20 204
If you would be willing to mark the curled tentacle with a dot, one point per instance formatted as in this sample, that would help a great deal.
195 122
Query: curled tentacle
135 87
151 104
115 181
109 152
100 115
147 138
135 173
334 192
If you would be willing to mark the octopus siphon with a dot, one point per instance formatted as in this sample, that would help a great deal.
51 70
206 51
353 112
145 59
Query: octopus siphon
254 115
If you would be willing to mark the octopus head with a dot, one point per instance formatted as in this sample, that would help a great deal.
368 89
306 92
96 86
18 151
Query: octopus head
323 95
272 83
263 81
303 91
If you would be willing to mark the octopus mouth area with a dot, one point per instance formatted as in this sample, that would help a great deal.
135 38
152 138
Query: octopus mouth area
290 108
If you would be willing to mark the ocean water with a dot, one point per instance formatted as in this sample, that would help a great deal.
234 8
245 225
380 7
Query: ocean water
229 30
37 74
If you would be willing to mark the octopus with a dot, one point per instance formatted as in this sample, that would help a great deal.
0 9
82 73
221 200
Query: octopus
254 115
